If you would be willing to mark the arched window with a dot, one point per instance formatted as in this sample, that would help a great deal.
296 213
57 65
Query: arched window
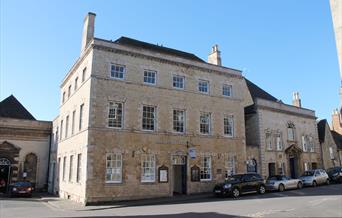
251 166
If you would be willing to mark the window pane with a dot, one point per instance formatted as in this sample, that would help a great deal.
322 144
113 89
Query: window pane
148 119
117 71
115 118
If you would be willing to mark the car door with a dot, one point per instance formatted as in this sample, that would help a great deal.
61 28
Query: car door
246 185
287 182
318 177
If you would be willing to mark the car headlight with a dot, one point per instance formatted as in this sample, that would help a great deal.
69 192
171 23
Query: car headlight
14 189
227 186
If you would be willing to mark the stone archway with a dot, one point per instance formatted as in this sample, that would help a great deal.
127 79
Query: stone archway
30 168
5 174
293 153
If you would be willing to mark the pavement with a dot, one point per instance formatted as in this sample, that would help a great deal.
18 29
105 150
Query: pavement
323 201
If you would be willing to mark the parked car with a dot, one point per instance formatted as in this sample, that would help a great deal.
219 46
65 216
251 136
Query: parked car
335 174
281 183
241 184
315 177
21 189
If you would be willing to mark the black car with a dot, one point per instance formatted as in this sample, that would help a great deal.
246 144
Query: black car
241 184
21 189
335 174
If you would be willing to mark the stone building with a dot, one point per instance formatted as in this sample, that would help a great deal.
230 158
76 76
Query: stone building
24 145
338 141
329 149
281 138
139 120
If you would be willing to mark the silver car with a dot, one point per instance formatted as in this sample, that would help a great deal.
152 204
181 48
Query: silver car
281 183
315 177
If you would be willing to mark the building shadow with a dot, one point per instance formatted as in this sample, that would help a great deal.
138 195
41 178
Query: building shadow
182 215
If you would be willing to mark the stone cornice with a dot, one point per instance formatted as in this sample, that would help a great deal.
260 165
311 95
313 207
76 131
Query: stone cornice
124 50
285 112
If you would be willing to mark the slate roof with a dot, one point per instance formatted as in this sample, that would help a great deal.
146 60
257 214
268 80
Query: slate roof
12 108
257 92
321 130
338 139
157 48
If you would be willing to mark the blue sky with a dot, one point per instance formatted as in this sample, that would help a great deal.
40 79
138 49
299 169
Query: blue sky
282 46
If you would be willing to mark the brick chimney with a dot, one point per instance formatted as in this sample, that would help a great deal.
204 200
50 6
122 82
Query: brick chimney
296 101
215 56
88 30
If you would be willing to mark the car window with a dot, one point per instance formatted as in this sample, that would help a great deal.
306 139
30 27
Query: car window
309 173
247 178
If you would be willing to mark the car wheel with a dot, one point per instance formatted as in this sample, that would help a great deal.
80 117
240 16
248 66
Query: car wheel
262 189
327 182
236 192
281 188
314 183
300 185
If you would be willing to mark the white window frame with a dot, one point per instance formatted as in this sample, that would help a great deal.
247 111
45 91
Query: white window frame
154 119
112 74
268 141
175 121
73 122
151 160
112 165
79 168
230 121
331 153
278 141
206 170
81 118
76 83
112 103
304 143
173 81
230 90
71 168
200 86
311 144
209 123
150 72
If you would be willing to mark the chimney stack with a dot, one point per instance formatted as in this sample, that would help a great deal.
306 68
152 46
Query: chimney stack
336 123
88 30
215 56
296 100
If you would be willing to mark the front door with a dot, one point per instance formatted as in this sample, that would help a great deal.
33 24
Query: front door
271 169
293 168
179 175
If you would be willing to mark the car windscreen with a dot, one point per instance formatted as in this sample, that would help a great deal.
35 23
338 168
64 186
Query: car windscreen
22 184
308 173
275 178
235 177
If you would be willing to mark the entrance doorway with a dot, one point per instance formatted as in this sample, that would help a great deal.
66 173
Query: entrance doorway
179 173
5 172
271 169
293 167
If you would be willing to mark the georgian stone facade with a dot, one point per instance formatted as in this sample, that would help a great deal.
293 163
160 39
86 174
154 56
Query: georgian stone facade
282 139
121 135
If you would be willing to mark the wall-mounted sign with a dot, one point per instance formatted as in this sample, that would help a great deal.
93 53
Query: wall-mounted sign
195 174
163 173
192 153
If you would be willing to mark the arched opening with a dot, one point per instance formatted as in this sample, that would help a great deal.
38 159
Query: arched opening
30 168
5 172
252 166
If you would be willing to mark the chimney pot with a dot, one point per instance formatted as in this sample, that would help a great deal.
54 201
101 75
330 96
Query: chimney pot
296 101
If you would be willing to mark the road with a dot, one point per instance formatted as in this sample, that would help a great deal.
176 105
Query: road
323 201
